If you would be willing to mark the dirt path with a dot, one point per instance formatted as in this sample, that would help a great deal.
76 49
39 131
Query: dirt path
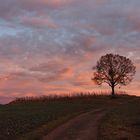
82 127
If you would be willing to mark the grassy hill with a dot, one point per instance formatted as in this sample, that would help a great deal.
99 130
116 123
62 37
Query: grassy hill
31 118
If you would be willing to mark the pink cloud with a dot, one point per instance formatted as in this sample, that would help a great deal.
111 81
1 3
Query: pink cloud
52 3
36 22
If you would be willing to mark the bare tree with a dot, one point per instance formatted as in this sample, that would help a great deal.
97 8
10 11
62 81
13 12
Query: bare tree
114 70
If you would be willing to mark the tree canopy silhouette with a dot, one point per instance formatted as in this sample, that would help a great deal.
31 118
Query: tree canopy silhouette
114 70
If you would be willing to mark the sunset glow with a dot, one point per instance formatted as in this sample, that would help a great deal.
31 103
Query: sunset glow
50 46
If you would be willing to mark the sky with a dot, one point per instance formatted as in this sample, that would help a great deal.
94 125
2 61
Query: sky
50 46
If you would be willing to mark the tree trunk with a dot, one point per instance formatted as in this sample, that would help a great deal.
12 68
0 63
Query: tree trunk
113 90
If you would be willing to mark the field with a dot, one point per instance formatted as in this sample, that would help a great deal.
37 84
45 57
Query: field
122 122
30 119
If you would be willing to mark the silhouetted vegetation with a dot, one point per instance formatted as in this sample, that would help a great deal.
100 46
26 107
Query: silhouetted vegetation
68 97
114 70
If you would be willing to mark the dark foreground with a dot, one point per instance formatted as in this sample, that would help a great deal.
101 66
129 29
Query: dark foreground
31 120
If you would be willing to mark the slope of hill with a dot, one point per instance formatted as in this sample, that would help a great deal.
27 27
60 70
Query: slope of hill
31 119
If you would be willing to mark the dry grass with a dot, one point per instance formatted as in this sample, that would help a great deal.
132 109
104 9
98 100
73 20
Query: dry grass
68 97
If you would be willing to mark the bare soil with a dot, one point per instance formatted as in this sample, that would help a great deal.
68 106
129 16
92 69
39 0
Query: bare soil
82 127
